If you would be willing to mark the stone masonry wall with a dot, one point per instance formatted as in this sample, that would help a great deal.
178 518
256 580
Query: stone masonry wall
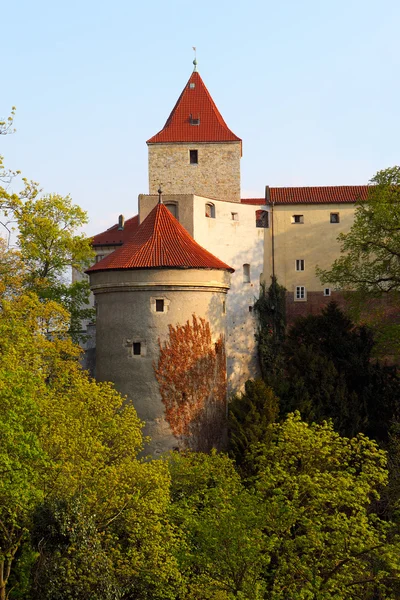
216 175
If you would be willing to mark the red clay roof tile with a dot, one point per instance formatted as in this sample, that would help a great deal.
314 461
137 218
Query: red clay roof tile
341 194
115 237
160 242
194 102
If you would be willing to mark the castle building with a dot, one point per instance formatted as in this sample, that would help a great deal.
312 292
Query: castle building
201 249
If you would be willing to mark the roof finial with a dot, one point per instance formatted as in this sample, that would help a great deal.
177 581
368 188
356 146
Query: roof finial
160 194
195 60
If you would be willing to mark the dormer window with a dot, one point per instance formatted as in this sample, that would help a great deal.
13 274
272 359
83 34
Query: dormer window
192 85
194 120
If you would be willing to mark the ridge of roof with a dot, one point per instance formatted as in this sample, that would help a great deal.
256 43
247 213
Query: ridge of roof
335 194
160 242
194 103
114 236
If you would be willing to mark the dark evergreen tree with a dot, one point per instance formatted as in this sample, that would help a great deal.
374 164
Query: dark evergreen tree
329 373
250 415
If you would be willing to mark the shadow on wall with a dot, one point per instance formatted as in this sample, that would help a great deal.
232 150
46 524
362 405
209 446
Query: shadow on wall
240 319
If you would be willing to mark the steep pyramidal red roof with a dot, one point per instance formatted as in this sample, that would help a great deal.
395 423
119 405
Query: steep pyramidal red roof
114 236
195 118
334 194
160 242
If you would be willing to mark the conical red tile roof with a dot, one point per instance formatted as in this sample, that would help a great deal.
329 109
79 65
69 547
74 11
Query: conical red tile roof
160 242
195 103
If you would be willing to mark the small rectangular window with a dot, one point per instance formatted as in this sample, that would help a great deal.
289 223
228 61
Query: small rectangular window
335 218
224 307
194 158
235 216
136 348
297 218
300 264
300 293
159 305
327 291
246 273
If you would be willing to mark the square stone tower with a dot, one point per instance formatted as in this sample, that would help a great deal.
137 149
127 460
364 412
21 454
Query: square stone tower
195 152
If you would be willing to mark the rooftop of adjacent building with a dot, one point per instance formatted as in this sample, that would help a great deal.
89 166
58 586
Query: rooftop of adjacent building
335 194
160 241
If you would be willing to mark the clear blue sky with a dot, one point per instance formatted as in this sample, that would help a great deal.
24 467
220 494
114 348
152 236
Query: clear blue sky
312 87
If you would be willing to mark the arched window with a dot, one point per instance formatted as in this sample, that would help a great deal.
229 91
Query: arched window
173 208
210 210
246 273
261 218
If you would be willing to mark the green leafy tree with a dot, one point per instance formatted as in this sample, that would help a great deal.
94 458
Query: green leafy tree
48 244
315 490
371 249
369 265
68 440
223 550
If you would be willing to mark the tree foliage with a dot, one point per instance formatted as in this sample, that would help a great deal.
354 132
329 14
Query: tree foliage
371 249
315 490
249 417
270 308
330 374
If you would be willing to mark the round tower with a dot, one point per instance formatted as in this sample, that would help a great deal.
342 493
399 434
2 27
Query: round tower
154 295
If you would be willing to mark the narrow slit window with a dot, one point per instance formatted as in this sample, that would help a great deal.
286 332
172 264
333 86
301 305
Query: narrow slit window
159 305
193 157
300 264
246 273
137 347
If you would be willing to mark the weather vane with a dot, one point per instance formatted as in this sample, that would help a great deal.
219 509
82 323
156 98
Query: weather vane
195 59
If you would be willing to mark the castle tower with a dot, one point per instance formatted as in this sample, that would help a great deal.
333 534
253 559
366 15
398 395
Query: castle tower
159 278
195 152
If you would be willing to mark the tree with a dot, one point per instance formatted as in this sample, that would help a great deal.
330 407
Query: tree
48 243
69 441
49 246
223 550
369 265
315 490
271 312
371 249
249 417
329 373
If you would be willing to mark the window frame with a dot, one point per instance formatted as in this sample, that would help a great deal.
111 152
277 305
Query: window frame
299 263
211 206
298 219
300 293
246 273
334 214
329 290
193 154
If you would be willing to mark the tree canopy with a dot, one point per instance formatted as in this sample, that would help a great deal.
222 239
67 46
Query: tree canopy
371 249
